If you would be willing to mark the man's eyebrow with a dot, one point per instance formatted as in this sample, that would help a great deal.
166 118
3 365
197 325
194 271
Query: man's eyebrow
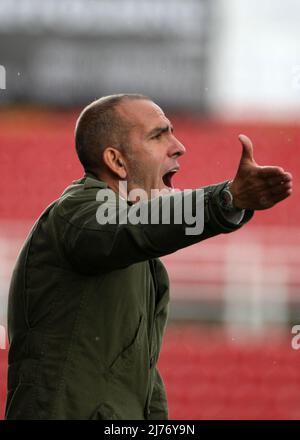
159 130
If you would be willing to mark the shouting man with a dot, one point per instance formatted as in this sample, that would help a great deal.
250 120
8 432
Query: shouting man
89 297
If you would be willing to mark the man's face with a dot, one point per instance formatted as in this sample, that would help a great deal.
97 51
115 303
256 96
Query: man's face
151 160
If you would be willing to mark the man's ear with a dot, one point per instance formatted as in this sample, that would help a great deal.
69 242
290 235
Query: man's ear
114 160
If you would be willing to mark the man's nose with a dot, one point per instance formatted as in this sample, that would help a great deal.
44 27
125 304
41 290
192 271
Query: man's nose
177 148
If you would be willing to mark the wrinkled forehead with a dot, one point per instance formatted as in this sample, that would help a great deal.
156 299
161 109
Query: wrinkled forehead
142 114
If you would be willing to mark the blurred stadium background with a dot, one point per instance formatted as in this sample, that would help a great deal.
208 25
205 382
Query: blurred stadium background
218 68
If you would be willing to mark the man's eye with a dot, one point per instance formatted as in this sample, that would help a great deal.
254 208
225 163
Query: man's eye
157 136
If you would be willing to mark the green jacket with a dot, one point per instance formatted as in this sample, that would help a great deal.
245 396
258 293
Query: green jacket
87 310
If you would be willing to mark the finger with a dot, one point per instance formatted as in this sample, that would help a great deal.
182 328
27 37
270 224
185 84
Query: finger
281 189
281 197
268 200
270 171
247 145
278 180
245 140
287 177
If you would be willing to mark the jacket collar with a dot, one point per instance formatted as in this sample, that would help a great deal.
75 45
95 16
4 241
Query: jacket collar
89 180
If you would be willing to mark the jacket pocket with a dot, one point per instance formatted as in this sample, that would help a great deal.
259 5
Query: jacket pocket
127 356
104 412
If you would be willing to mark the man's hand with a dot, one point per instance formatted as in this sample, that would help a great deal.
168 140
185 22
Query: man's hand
256 187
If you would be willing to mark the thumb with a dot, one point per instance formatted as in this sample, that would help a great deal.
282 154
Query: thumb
247 153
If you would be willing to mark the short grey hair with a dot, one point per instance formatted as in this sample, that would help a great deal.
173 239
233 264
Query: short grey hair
100 125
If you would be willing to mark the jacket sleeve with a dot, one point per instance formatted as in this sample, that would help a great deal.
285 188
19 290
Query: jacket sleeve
93 246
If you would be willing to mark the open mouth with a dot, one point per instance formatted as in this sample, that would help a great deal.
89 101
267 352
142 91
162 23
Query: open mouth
168 176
